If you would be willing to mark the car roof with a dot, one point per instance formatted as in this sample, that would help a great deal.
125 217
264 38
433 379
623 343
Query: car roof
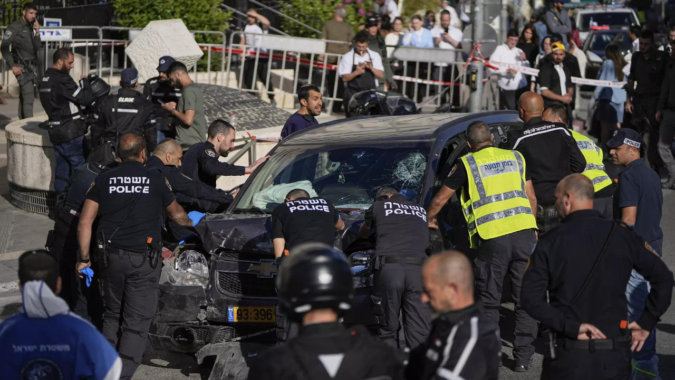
365 130
605 10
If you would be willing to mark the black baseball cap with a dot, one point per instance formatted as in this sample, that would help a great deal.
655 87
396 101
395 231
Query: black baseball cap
164 63
129 76
625 136
372 21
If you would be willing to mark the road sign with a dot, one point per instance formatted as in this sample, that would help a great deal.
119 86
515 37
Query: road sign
53 22
490 40
47 34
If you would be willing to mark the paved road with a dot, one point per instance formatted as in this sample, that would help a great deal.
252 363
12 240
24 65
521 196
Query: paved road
21 231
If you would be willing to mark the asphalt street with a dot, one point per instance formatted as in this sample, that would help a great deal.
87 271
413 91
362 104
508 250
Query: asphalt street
21 231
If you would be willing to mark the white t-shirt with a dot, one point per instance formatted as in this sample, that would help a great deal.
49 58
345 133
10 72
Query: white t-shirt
563 78
508 81
388 6
454 33
350 59
253 40
636 45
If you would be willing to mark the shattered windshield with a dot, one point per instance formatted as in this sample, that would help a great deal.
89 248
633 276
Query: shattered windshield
349 177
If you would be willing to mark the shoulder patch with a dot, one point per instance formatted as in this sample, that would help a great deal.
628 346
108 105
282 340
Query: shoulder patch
91 187
452 171
8 34
211 153
168 184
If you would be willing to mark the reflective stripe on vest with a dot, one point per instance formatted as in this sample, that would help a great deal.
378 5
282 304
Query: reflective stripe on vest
595 168
489 212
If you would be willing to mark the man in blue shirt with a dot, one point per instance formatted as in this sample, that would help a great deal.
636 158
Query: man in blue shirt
637 202
46 340
310 106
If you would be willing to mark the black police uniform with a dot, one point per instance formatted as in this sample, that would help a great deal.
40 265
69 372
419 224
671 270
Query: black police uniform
192 195
161 92
551 154
463 344
402 239
649 74
131 203
329 351
62 98
63 246
201 164
25 44
125 112
301 221
561 264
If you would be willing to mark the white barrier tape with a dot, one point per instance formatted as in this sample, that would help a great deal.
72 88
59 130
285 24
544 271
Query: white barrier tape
535 72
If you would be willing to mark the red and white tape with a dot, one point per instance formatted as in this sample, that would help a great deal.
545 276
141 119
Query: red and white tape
535 72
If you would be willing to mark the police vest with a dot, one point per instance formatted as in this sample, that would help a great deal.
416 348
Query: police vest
495 203
595 168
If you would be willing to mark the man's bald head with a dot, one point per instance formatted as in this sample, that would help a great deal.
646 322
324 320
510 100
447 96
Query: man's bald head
530 105
575 192
448 281
131 147
169 151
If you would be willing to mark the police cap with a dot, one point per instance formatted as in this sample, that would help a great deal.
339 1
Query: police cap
625 136
372 21
315 276
164 64
129 76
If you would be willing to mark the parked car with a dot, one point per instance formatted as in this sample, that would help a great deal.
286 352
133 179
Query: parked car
603 17
597 42
222 291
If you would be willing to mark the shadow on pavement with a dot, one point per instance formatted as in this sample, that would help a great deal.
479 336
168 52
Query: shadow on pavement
10 310
187 363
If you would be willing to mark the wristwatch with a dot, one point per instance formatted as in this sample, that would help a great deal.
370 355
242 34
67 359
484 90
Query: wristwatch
87 261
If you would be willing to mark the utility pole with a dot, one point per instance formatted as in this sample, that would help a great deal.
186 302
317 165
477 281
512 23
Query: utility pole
503 21
476 68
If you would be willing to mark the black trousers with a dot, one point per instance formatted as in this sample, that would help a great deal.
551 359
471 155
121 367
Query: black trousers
645 107
250 72
584 365
509 98
547 219
130 291
496 257
398 288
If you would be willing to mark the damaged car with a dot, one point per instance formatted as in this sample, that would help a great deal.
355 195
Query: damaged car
219 291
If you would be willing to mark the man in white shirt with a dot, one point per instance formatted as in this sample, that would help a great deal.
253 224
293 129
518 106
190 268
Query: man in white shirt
386 7
512 83
634 34
671 37
446 37
455 21
360 69
254 41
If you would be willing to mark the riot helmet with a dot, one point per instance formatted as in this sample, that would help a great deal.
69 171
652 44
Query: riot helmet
99 87
314 276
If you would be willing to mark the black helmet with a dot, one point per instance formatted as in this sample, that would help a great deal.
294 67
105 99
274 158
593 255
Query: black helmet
400 105
314 276
99 87
366 103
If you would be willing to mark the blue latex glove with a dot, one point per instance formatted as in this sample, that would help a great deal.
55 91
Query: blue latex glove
195 217
88 275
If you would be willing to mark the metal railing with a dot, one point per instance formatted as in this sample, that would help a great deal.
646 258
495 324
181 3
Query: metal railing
249 146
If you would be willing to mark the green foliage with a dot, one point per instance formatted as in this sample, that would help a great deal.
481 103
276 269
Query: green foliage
10 10
315 13
410 7
196 14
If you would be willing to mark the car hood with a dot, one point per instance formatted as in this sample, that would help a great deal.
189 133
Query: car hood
251 233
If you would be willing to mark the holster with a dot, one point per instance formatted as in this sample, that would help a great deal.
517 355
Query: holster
102 249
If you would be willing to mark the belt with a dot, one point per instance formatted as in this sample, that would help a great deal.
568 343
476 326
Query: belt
412 260
547 212
119 251
595 344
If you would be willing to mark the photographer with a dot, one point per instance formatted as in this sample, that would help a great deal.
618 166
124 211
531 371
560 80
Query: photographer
360 68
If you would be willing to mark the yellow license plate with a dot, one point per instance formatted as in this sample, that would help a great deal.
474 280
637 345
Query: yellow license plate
251 314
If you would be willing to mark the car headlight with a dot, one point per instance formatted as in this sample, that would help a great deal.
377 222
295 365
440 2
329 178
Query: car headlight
189 268
361 268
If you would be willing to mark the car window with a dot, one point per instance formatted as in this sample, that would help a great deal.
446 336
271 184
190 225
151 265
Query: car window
347 176
611 19
599 41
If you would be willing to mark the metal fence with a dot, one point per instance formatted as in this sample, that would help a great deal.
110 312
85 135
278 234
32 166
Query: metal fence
281 64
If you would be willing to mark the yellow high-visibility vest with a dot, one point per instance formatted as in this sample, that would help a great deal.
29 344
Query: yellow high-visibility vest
496 203
595 168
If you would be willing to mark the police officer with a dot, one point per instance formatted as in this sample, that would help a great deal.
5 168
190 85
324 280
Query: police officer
463 343
377 44
551 154
62 243
160 90
23 35
584 265
402 238
324 349
497 197
299 220
128 111
128 236
192 195
201 161
638 202
595 167
62 98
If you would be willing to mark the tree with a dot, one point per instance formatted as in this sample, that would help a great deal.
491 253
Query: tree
315 13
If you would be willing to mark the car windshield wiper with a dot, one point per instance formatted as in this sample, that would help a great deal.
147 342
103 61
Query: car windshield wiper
252 209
